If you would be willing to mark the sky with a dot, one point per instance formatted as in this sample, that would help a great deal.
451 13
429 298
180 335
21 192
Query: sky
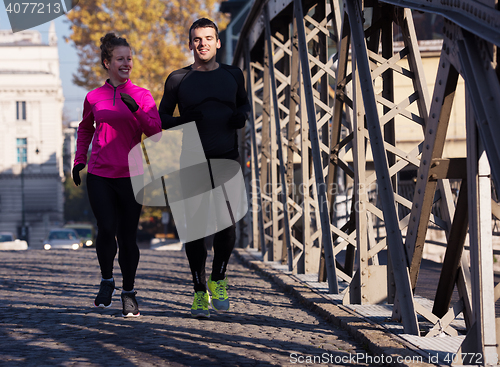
68 62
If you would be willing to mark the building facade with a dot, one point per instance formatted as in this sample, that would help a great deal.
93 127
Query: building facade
69 146
31 138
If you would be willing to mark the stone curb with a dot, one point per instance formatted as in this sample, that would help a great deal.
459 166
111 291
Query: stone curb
391 349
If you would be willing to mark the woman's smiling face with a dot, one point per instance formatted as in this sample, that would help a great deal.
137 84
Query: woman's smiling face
120 65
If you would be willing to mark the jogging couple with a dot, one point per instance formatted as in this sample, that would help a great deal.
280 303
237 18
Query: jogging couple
211 94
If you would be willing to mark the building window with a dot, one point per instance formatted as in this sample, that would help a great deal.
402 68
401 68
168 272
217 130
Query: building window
22 148
21 110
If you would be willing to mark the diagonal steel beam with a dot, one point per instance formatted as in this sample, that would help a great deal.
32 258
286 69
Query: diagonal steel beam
484 88
386 192
435 136
255 166
284 196
318 169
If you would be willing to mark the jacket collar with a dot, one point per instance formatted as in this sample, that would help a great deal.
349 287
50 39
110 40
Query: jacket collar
124 85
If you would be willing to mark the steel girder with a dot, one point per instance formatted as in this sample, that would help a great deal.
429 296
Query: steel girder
289 194
304 138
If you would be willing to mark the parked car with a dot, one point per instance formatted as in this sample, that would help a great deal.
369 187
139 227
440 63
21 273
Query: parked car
9 242
85 231
62 238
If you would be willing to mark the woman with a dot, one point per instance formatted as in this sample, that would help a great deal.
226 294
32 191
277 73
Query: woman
122 112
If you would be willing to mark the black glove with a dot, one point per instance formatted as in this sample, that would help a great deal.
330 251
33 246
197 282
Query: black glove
237 120
130 102
76 173
191 115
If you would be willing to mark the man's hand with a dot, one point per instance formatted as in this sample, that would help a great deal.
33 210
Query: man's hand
130 102
76 173
191 115
237 120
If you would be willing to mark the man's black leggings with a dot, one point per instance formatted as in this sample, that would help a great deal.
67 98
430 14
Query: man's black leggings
117 214
197 255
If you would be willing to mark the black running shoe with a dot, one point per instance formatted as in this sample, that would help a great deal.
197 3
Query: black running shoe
106 291
130 306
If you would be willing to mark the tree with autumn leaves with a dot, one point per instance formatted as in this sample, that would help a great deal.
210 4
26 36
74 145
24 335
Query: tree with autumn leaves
157 31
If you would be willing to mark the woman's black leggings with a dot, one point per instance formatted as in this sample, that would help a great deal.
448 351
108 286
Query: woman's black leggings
117 214
197 255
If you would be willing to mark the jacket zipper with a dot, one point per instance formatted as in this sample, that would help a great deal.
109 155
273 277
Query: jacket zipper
114 95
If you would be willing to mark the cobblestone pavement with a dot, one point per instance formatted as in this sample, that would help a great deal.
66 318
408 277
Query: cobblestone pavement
47 318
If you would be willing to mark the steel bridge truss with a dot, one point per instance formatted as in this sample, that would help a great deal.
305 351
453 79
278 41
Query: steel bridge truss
325 163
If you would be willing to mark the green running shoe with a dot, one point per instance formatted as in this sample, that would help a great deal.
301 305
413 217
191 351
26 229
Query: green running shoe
200 305
220 300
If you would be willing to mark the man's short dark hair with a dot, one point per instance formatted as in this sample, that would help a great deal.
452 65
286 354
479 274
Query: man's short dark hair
204 23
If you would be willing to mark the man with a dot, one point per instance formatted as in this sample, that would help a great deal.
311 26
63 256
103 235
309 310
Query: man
213 95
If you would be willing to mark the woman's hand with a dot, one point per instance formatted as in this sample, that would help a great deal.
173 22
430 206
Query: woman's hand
130 102
76 173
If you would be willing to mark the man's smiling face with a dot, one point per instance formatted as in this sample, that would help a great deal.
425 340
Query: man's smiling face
204 44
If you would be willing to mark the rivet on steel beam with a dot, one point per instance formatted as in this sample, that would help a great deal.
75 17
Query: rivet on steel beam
363 259
363 272
430 131
425 162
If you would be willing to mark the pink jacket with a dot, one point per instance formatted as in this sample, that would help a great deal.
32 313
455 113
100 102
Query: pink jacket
117 130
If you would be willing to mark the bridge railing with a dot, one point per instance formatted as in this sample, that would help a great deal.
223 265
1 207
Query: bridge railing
323 137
